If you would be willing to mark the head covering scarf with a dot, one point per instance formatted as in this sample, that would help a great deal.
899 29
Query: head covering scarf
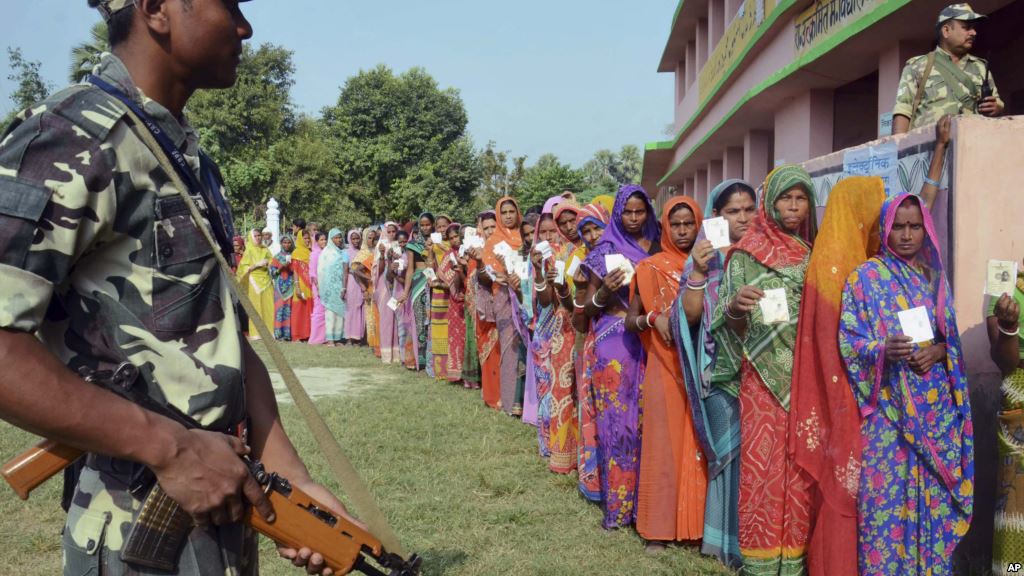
606 201
560 209
616 240
353 250
509 235
551 203
821 393
235 257
592 214
670 262
766 240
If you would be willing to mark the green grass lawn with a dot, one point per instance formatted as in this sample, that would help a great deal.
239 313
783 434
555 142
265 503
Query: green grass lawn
461 484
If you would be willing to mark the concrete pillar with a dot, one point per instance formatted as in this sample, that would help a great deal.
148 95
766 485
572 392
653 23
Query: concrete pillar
702 43
688 186
714 174
274 223
757 159
716 23
890 67
691 63
803 127
681 83
731 8
701 192
732 163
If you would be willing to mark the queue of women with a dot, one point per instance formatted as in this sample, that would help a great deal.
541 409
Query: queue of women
759 399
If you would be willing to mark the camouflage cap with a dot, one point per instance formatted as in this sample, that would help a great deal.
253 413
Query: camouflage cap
110 7
962 12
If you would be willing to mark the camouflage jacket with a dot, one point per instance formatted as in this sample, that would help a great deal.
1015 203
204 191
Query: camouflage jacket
938 99
102 261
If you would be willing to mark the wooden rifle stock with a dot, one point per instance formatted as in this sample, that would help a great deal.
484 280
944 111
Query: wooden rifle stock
28 470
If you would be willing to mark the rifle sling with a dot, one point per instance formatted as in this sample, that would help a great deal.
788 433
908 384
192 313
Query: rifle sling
340 465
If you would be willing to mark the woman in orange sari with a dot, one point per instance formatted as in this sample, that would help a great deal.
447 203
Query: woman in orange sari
302 302
673 473
506 236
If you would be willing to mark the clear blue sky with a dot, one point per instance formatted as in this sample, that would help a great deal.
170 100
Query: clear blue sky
562 76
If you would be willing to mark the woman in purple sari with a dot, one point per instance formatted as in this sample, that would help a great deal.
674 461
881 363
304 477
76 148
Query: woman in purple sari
618 357
355 324
917 470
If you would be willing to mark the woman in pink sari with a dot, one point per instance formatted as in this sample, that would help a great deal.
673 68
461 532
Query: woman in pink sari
355 324
318 328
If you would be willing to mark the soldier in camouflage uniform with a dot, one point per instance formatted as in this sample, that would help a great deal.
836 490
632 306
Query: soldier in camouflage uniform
102 262
955 80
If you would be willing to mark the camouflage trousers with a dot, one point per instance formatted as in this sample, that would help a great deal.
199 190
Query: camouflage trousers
101 515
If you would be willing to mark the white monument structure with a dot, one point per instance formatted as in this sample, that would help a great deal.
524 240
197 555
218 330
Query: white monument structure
274 223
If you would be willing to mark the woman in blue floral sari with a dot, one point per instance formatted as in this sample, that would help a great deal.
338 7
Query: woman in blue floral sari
917 474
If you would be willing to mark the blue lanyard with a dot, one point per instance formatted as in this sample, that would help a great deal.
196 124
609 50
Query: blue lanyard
224 229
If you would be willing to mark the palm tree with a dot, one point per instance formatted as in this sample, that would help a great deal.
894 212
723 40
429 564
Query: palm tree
87 54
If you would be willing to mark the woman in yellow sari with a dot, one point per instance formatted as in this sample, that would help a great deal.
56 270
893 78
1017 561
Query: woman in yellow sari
254 274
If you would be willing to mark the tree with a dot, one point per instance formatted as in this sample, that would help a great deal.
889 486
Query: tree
547 178
30 85
497 178
607 171
85 56
401 143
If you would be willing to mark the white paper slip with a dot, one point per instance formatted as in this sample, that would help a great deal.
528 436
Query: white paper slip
429 274
396 250
523 270
774 306
618 261
1001 278
915 323
716 230
545 249
502 248
436 237
470 231
462 250
560 273
574 267
393 304
490 273
453 258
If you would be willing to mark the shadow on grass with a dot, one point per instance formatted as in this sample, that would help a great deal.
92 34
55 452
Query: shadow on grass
437 562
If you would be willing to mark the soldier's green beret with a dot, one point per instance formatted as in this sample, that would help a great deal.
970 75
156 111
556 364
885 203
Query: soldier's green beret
962 12
110 7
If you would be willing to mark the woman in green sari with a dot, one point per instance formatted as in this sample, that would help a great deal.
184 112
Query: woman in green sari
1006 314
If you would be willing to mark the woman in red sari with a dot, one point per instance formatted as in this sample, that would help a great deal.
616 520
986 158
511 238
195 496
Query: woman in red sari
302 301
824 428
673 471
449 273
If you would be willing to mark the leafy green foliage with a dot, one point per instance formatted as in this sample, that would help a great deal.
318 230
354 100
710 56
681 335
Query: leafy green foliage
547 178
402 143
86 55
607 171
31 87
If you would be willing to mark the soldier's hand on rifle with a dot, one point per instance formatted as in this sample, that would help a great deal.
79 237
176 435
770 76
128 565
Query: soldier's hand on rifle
312 561
204 474
990 106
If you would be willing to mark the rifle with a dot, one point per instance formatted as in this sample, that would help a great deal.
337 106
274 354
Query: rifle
161 528
156 537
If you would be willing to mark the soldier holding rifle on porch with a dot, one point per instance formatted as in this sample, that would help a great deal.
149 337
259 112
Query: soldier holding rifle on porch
948 80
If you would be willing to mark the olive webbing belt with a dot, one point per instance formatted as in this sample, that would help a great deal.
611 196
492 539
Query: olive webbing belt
340 465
